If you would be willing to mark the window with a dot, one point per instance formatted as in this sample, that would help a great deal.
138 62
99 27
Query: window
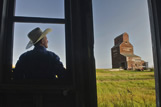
56 39
39 13
111 20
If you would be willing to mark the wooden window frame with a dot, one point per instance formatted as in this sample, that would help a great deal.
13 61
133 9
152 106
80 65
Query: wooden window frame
155 23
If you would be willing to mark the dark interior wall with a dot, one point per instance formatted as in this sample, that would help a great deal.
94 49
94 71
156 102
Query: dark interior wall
1 45
6 38
155 22
1 36
1 6
83 48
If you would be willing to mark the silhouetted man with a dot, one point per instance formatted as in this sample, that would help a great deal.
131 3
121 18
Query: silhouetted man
39 63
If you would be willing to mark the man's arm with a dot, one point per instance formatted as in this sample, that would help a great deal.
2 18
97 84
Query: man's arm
58 68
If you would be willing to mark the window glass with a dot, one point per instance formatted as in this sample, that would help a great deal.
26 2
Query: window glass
40 8
56 39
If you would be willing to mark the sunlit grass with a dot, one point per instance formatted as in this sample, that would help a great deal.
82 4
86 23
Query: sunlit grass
125 88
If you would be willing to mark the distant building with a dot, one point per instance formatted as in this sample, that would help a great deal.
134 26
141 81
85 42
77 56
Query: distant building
123 55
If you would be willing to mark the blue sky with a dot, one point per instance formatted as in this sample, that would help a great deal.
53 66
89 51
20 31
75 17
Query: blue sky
111 18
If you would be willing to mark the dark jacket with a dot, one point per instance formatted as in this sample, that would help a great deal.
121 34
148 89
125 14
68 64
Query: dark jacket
39 64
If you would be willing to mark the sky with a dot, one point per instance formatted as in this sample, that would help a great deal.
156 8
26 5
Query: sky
110 17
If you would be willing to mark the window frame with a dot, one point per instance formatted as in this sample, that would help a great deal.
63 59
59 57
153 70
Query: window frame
9 31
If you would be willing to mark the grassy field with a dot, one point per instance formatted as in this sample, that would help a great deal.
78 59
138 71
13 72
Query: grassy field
125 88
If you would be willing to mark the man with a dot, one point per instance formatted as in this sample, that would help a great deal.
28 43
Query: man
39 63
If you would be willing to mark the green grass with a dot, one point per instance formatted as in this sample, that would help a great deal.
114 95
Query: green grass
125 88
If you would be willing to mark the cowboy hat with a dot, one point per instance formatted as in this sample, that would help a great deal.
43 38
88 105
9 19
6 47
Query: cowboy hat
36 35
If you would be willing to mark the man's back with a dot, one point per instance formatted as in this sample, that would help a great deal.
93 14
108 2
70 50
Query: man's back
39 64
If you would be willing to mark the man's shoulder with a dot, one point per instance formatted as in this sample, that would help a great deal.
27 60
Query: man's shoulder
25 54
49 54
52 54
